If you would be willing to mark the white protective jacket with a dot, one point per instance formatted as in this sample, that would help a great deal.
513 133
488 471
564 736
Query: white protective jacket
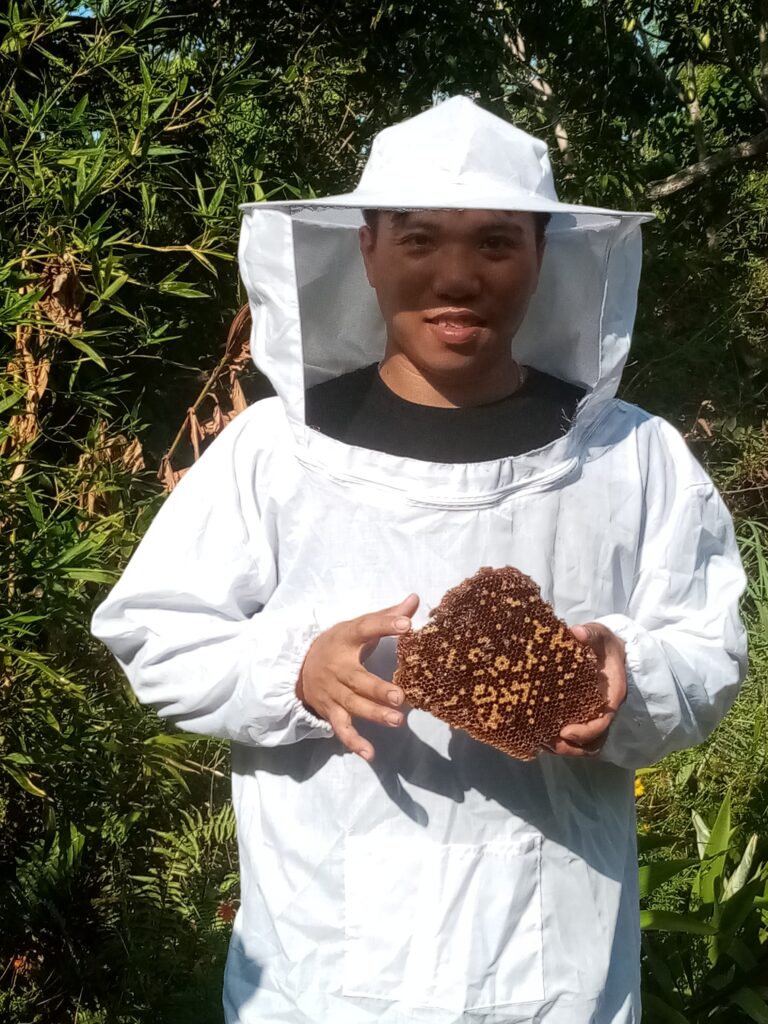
444 882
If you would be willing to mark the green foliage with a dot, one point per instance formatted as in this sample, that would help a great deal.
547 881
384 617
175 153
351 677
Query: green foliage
129 132
721 897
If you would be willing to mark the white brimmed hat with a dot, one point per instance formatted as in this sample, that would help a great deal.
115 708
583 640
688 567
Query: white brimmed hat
455 156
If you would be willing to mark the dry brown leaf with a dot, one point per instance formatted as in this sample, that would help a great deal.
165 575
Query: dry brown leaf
225 393
116 451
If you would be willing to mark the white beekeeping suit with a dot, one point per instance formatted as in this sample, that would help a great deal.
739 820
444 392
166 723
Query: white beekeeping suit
443 882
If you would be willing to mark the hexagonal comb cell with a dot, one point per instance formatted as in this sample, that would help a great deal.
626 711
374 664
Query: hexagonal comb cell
495 660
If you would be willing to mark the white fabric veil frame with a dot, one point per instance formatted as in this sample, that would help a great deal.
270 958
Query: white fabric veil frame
312 305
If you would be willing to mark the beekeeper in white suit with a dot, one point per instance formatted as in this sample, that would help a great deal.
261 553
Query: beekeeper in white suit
460 412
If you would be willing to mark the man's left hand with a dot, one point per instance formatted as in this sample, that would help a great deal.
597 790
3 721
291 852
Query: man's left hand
586 739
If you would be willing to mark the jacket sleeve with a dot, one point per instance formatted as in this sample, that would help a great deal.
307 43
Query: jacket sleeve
685 643
189 621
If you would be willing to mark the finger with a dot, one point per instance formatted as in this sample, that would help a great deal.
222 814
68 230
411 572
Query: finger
374 688
616 680
341 723
361 707
387 622
582 733
565 749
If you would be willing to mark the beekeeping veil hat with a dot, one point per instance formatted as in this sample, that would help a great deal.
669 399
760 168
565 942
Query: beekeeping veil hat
315 316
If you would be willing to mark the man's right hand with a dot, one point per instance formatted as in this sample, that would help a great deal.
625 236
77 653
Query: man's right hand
335 685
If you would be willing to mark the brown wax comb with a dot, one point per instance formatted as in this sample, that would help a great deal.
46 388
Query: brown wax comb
495 660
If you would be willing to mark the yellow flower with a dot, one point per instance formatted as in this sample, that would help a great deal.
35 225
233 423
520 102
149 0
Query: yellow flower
639 788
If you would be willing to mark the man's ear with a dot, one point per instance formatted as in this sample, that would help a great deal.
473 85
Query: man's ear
367 238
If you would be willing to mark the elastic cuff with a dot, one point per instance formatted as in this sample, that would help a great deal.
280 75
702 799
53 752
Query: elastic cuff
298 709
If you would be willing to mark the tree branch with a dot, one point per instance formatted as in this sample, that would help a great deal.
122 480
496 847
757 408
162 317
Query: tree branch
664 80
758 94
543 89
704 169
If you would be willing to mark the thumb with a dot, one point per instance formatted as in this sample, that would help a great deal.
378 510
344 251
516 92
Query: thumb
387 622
581 633
405 609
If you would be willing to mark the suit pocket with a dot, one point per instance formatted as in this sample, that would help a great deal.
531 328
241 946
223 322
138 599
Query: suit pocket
456 927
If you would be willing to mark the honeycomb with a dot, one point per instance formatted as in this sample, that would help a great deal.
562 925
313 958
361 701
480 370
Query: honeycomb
496 661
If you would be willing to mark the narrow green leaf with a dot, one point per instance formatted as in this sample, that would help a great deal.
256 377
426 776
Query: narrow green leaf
182 288
165 151
113 287
667 921
9 401
92 575
83 547
24 780
35 508
86 349
79 107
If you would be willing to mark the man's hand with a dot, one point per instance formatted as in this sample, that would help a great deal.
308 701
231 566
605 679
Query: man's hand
586 739
334 684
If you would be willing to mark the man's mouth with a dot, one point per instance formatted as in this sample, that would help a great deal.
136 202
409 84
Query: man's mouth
456 327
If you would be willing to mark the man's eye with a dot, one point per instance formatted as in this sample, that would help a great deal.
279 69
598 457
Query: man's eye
417 241
497 242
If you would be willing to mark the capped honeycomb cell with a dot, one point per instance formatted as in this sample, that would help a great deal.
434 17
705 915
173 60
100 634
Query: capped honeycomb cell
495 660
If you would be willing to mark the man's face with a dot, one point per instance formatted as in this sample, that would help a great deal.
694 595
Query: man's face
453 286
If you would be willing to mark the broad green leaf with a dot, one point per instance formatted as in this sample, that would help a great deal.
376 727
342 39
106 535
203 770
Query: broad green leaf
748 1000
651 876
741 874
668 921
702 833
709 883
662 1011
658 967
654 841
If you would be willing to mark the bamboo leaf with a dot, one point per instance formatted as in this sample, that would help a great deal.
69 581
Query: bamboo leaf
92 575
86 349
113 287
23 780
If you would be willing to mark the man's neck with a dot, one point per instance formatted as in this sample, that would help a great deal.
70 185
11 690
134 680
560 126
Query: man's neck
414 385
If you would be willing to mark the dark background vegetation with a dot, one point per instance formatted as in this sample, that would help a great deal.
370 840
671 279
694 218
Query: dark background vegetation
129 132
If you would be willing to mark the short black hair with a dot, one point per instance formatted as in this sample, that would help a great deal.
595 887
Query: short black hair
541 220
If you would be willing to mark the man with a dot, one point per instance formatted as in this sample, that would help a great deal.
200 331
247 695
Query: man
459 412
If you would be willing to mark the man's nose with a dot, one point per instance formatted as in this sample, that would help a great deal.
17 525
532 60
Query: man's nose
455 278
